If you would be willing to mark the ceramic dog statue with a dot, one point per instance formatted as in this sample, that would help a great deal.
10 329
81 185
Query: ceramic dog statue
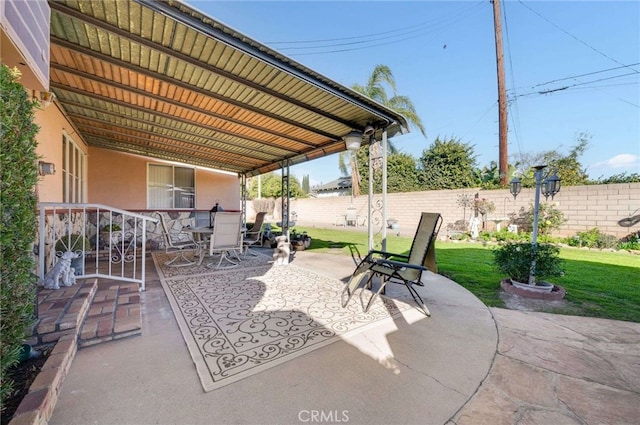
281 251
62 272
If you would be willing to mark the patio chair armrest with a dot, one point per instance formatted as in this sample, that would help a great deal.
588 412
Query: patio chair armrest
385 254
398 265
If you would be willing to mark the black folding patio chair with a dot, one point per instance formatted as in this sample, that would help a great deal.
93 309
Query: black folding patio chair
401 268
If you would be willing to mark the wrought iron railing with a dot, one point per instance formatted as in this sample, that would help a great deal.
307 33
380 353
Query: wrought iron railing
110 242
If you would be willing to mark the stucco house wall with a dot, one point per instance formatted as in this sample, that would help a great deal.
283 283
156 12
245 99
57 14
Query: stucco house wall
120 180
53 124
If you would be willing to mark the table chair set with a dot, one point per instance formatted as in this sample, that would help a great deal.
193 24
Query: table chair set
226 238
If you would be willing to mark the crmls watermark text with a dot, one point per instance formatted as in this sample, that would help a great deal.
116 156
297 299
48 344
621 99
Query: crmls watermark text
323 416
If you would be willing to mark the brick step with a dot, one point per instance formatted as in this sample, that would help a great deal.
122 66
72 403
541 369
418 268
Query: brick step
114 313
92 311
61 311
84 314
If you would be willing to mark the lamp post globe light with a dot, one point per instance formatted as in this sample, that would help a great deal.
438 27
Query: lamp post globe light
549 187
352 140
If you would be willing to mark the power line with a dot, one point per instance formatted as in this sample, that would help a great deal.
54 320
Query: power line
577 39
338 45
355 37
549 91
586 75
376 34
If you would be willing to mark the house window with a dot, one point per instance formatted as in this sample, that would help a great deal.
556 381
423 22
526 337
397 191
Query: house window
74 169
171 187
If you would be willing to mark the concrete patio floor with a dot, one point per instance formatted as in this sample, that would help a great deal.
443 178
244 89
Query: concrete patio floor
466 364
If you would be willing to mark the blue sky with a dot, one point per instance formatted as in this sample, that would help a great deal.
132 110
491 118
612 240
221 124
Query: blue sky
570 67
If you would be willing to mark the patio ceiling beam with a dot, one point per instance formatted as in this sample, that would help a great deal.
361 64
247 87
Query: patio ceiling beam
139 70
101 142
164 100
236 158
195 62
155 112
246 152
266 55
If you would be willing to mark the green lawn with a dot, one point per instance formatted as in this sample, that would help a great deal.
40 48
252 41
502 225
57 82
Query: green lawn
598 283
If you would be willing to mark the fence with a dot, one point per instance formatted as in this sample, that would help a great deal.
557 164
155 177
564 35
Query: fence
611 208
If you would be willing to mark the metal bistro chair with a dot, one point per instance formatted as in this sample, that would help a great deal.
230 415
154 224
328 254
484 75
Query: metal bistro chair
176 246
351 217
405 269
226 238
254 236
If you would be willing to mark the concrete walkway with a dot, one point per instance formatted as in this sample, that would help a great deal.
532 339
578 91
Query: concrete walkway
465 364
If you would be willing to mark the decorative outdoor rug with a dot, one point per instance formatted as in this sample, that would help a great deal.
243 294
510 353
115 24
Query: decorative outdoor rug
168 272
242 321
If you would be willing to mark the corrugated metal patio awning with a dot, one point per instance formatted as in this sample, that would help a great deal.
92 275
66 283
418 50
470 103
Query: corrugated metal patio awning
163 80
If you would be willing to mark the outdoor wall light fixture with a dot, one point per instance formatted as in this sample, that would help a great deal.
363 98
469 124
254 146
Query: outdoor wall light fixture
46 168
46 98
353 140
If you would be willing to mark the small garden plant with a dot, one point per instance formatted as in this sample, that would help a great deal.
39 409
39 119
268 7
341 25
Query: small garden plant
514 260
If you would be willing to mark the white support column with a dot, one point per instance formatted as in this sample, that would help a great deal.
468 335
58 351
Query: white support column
384 189
370 196
286 193
243 206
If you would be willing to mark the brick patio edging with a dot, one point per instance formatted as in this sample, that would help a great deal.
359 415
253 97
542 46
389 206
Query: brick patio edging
37 406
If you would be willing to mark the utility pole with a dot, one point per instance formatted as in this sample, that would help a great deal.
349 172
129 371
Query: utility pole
503 167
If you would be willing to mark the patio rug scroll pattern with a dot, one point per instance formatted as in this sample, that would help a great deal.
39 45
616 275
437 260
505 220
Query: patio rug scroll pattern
168 272
239 322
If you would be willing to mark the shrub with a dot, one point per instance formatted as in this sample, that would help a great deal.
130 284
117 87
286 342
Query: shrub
593 239
514 260
18 178
549 219
631 241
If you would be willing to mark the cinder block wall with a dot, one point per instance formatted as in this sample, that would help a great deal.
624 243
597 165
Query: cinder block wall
585 207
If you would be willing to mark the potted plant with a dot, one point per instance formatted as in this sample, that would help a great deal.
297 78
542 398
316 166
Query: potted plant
299 241
74 243
111 233
515 260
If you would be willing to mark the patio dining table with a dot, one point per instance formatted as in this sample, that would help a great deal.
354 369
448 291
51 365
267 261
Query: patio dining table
201 237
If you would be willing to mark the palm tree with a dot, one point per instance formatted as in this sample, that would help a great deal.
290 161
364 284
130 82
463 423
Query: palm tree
376 90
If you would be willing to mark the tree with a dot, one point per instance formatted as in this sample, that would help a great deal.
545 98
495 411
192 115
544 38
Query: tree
489 176
272 186
447 165
305 184
618 178
376 88
568 166
402 173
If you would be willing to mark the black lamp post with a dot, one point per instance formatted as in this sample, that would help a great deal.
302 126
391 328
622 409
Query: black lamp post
550 186
212 213
515 186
